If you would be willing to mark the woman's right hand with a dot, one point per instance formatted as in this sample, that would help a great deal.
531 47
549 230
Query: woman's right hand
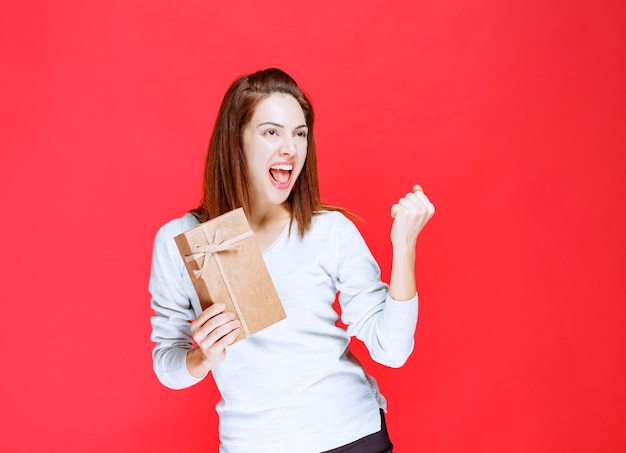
212 331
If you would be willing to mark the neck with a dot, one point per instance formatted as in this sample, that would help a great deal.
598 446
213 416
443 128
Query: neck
262 217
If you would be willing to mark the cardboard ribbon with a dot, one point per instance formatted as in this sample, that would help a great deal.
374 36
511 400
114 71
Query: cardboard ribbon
212 249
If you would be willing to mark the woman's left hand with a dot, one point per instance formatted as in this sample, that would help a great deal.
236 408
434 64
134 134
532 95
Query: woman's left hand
410 213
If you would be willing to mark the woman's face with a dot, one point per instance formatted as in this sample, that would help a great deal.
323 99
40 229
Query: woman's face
275 147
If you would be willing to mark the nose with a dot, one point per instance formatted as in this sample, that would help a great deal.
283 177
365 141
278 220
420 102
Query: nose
288 147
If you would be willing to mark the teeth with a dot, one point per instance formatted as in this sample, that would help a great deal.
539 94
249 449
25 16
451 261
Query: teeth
285 167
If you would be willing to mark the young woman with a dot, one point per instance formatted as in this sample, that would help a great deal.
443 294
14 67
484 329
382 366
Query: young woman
293 387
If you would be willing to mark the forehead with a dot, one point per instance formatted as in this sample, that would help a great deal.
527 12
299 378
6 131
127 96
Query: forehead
280 108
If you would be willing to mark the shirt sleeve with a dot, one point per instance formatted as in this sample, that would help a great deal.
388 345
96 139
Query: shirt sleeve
173 310
386 326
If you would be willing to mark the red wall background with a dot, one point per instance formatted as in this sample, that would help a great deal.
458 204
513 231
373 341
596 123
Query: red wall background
510 114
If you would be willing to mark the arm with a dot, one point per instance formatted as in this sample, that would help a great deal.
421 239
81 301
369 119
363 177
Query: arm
384 318
410 214
173 310
175 329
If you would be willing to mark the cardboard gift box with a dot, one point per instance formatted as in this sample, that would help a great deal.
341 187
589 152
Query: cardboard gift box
225 265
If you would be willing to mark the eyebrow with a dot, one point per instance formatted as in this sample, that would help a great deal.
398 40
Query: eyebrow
270 123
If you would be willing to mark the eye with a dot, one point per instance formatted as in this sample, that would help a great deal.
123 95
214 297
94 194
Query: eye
271 132
302 134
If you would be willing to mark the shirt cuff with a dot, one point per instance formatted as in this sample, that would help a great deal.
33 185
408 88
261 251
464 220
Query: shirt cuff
179 377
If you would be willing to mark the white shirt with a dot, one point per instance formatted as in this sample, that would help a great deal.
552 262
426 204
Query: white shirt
294 386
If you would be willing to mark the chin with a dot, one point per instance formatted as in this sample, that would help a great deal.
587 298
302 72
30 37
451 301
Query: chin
278 200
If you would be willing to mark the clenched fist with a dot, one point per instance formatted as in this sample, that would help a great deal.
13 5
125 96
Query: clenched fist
410 213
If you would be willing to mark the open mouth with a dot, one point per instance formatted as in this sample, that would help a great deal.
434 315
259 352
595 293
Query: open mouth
281 175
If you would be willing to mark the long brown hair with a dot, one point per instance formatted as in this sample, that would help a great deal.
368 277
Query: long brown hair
226 184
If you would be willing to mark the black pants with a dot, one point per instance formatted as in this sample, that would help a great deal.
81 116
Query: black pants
374 443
